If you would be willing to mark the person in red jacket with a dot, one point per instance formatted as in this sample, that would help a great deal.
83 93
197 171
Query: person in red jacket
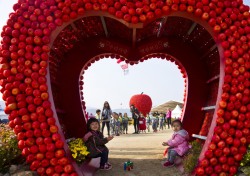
178 144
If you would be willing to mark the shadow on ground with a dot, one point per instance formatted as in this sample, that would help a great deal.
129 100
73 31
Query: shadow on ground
142 167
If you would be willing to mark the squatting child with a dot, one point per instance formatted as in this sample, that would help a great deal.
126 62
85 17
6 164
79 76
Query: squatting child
178 144
95 143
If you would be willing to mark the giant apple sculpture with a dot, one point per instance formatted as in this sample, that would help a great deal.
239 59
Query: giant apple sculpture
142 102
24 54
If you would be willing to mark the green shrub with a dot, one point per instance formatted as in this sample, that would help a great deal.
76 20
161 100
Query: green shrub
245 163
9 151
191 160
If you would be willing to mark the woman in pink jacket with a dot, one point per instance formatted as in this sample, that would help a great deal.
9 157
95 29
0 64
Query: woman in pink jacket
178 144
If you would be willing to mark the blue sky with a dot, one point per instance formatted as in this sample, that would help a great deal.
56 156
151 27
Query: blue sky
105 80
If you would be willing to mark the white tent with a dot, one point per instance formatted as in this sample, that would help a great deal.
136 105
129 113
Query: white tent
176 113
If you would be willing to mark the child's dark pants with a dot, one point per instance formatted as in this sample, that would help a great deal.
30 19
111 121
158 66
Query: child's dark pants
104 157
171 155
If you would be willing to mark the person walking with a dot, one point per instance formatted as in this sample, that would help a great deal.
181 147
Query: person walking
154 122
121 125
161 120
117 124
148 121
98 115
125 123
168 117
135 116
106 116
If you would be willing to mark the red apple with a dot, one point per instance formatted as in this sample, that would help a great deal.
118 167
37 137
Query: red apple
49 155
233 170
39 156
34 165
59 144
50 171
46 133
45 163
226 151
223 159
63 161
209 170
41 170
68 168
221 144
58 168
53 161
34 149
29 133
42 148
56 137
212 146
242 150
209 154
218 169
51 147
20 136
39 141
47 140
199 171
30 158
238 157
59 153
53 129
225 167
21 144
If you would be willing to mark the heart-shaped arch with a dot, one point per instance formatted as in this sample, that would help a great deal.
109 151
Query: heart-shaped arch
25 53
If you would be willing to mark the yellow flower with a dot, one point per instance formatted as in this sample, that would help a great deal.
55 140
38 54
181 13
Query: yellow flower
78 150
74 155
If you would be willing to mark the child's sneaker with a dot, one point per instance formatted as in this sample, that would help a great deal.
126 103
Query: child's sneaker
108 164
168 164
106 167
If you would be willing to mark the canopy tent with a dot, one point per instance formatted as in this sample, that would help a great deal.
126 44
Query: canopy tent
168 105
176 113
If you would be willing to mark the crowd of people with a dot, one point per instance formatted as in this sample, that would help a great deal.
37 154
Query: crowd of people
117 124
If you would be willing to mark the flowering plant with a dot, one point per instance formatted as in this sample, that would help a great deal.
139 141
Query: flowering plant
245 162
9 150
78 150
191 160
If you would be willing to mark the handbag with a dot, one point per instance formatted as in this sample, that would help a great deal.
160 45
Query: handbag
105 115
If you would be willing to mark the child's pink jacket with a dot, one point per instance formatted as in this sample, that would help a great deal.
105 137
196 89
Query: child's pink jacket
179 142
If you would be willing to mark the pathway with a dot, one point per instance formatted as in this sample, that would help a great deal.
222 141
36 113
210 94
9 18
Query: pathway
146 152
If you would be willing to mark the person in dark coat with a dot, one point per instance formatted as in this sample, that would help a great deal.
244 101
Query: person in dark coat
135 116
106 116
95 142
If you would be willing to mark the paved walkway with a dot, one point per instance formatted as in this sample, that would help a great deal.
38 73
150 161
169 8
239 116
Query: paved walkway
145 150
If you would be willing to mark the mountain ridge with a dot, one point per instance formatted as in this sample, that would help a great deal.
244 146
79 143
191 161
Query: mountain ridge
92 110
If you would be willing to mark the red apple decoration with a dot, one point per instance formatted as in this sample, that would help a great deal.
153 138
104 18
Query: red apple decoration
142 102
23 67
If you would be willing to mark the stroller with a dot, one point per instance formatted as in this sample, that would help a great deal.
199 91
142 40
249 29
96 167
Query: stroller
142 125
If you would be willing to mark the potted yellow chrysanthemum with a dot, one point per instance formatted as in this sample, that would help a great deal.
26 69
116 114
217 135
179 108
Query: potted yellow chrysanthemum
78 150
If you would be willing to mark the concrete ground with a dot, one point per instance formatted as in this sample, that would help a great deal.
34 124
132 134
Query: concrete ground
144 150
